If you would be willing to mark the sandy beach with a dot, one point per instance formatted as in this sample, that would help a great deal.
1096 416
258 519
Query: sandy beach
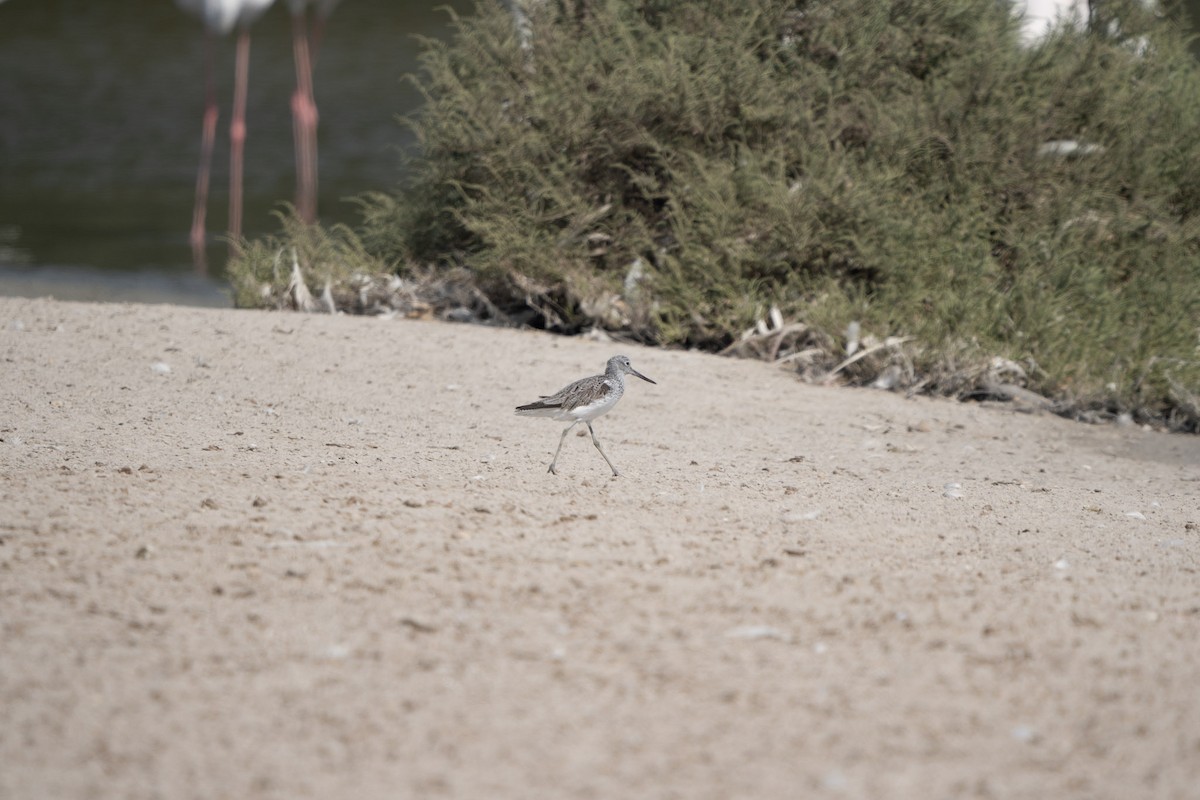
264 555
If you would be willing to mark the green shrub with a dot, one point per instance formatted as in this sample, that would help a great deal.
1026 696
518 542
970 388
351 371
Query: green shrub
673 170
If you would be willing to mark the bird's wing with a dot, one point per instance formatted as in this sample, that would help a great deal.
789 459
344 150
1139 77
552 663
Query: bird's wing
582 393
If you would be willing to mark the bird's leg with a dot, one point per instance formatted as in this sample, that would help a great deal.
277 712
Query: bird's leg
562 439
304 122
237 135
596 442
207 136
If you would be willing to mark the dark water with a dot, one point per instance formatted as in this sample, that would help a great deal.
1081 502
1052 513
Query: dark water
100 112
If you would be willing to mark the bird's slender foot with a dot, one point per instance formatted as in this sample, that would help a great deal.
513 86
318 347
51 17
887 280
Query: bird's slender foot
561 439
607 460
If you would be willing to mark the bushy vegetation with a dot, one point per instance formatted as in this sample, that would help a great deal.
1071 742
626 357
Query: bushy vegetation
673 171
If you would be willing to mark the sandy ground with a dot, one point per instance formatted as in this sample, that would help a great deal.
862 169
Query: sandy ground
321 557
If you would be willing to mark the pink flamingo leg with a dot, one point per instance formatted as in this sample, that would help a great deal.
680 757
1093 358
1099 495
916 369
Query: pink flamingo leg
304 122
237 135
207 137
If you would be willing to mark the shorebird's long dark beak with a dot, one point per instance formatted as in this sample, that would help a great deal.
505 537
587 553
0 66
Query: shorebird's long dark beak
633 371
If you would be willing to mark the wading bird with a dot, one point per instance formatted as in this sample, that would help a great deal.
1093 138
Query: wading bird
583 401
220 17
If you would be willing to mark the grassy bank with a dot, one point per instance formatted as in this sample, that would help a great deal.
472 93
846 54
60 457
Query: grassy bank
886 192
